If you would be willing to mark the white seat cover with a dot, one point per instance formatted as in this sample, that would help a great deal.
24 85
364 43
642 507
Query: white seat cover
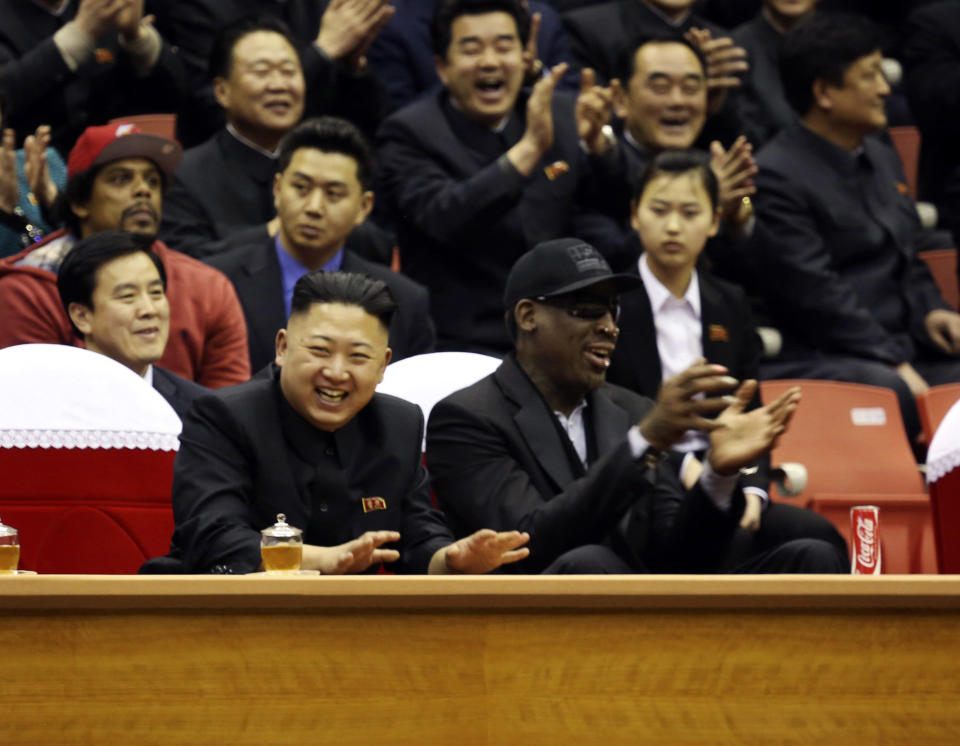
56 396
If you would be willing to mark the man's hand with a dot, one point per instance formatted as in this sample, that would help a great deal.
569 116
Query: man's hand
739 438
348 28
683 400
538 136
530 54
353 556
9 188
735 169
594 105
129 18
35 166
724 61
481 552
751 512
944 329
913 379
97 17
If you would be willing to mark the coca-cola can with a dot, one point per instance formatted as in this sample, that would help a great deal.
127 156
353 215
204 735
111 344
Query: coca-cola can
865 530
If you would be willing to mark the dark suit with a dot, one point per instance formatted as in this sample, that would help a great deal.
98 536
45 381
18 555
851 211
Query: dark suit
931 57
402 53
39 87
764 105
245 456
179 392
465 214
498 459
221 187
842 280
255 272
332 89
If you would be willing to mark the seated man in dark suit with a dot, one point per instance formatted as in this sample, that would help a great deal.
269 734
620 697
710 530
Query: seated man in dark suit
74 64
113 288
601 35
480 172
403 58
546 445
837 231
681 313
315 442
225 184
322 190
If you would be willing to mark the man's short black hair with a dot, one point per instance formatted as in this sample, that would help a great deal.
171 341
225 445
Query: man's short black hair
348 288
78 191
823 46
627 57
221 53
679 162
447 11
77 278
331 135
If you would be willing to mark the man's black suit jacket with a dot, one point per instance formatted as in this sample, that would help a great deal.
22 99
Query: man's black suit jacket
498 460
835 247
465 214
255 273
39 88
179 392
245 456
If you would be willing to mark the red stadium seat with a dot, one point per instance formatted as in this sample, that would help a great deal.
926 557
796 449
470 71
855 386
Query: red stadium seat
851 439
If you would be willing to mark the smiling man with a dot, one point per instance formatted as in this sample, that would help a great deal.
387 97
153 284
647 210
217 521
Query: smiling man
482 170
315 442
113 288
322 190
545 445
115 180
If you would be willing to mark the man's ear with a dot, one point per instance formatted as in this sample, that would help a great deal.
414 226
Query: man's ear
440 64
387 356
81 211
525 314
821 94
80 315
366 207
221 92
277 181
281 347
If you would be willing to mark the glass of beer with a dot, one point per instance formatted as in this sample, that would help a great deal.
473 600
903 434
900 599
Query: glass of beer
9 549
281 547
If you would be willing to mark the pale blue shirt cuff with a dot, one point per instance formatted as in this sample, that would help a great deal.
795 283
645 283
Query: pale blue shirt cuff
762 494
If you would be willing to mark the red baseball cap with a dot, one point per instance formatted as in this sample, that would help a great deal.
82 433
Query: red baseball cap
111 142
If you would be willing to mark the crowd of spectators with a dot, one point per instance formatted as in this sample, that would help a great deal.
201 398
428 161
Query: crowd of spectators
430 144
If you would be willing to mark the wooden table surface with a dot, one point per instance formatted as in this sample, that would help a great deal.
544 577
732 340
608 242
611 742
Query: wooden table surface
480 660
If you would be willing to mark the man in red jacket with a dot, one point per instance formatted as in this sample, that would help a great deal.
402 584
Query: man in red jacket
115 180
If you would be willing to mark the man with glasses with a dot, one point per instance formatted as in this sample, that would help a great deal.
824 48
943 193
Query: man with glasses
544 445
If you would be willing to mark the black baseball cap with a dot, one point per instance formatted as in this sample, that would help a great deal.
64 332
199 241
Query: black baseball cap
559 267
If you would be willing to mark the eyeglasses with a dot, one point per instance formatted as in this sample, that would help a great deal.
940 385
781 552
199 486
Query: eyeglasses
588 309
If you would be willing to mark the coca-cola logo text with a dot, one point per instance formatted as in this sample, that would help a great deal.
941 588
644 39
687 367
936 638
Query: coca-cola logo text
867 534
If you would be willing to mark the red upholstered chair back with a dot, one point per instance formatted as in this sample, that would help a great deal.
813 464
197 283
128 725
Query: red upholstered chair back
91 510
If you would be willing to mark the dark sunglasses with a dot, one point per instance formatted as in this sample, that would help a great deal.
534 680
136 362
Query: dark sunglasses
588 309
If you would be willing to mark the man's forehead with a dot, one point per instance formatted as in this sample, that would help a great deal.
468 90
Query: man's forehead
134 163
668 58
338 321
125 269
263 45
496 22
321 164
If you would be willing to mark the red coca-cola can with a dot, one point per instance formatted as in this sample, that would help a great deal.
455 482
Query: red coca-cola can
865 530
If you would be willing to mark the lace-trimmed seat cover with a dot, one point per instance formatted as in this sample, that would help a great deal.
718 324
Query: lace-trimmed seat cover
86 461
